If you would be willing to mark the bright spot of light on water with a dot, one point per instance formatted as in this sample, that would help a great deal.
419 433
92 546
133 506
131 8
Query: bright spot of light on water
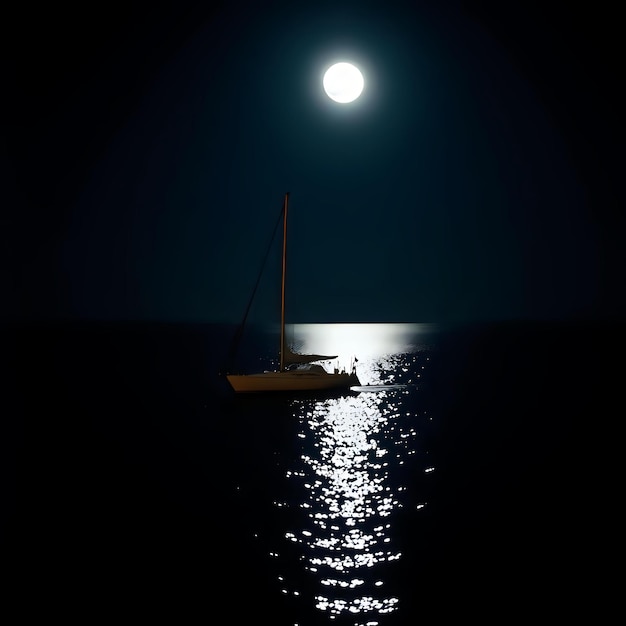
376 347
347 445
368 340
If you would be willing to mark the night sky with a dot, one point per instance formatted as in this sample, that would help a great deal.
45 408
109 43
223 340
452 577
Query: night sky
147 147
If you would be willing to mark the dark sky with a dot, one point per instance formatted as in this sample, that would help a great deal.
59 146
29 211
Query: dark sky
147 147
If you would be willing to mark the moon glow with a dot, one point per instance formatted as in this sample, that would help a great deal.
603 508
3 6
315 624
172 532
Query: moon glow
343 82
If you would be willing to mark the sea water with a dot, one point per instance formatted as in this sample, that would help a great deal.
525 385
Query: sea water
350 473
469 471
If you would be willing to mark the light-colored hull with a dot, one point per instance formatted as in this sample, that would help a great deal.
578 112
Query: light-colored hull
290 381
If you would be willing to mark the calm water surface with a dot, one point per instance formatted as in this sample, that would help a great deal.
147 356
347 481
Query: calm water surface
468 470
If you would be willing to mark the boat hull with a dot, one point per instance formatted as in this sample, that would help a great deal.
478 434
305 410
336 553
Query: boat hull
290 381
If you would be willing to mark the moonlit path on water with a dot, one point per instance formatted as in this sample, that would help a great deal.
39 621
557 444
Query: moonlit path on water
348 477
372 507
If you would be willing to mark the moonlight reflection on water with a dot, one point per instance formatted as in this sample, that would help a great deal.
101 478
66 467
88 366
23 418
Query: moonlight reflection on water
350 449
376 346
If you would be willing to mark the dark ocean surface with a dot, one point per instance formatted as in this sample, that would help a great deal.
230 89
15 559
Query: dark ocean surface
480 478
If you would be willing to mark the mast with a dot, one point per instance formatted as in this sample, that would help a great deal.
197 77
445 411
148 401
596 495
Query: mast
282 291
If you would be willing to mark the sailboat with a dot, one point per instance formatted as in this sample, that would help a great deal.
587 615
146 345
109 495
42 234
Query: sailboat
297 372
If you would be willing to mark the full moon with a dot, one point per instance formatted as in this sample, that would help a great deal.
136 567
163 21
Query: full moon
343 82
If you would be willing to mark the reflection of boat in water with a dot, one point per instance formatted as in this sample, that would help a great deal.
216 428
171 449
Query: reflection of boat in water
298 372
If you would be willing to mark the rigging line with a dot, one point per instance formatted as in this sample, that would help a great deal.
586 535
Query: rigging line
239 332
